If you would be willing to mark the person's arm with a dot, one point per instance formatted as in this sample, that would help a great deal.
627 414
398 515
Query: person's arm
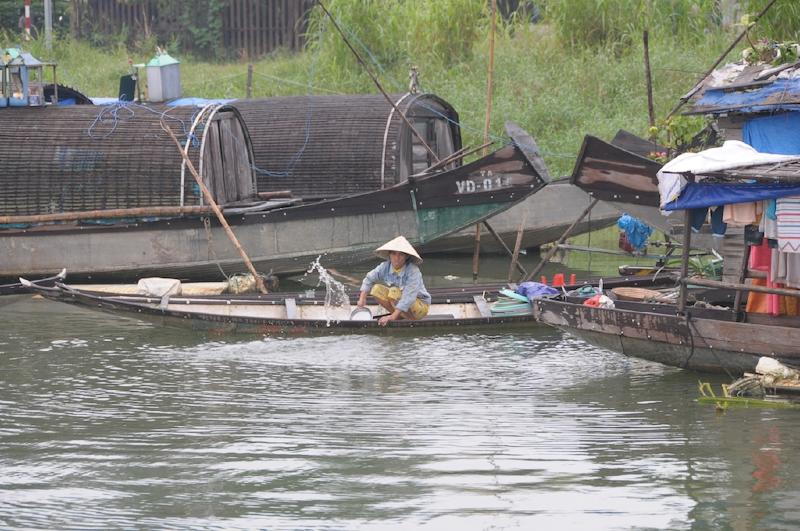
366 285
395 315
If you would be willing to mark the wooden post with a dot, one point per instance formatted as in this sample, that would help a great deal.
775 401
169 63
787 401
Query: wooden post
788 292
213 204
48 25
563 237
517 245
737 299
249 88
490 75
476 254
687 241
649 79
508 251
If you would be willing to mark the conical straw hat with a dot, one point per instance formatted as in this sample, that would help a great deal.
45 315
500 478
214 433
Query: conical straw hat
398 244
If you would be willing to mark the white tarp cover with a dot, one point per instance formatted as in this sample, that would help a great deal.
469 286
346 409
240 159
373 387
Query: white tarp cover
731 155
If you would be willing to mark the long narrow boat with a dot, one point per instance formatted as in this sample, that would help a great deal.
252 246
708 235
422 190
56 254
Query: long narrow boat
294 313
283 239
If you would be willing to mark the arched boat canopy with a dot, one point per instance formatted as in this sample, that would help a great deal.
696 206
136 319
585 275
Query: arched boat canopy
86 158
323 146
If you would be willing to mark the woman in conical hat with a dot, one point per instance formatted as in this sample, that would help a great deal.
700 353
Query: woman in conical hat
396 284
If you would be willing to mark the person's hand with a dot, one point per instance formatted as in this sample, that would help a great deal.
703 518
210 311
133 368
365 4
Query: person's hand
383 321
362 300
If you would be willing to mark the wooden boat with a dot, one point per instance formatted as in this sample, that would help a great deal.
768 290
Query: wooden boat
291 313
546 214
723 338
18 288
702 339
279 236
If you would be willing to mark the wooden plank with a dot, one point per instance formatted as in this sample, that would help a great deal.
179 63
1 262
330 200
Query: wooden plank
291 308
482 305
229 183
213 171
245 175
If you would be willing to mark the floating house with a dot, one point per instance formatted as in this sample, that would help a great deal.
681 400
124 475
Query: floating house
758 104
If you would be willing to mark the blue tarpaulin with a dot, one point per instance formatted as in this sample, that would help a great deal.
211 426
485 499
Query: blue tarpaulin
778 133
766 98
697 195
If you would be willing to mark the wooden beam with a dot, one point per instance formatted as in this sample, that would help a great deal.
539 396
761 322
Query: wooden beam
108 214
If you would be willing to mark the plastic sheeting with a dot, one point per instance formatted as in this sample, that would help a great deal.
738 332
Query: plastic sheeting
697 195
783 94
779 133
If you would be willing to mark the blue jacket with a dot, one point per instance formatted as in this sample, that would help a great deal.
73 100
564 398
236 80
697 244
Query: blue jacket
409 280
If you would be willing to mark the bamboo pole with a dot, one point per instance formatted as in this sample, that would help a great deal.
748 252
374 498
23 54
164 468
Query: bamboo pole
737 300
503 245
563 237
107 214
517 245
687 242
490 76
375 80
461 153
722 57
651 114
739 287
277 194
476 254
213 204
487 122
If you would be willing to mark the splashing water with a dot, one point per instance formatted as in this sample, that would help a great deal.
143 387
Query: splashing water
337 301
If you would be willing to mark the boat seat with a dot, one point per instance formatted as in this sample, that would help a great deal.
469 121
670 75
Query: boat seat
482 305
436 316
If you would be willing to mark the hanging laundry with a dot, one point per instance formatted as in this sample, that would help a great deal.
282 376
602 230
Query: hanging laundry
741 214
699 216
788 212
636 231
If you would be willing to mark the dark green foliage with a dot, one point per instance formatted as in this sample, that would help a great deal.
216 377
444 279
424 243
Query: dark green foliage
200 30
10 11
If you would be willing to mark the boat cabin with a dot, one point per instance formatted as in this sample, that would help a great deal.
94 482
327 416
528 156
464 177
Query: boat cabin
328 146
95 158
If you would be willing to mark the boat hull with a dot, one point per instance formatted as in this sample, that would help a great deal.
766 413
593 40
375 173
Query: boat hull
286 314
283 240
547 215
709 342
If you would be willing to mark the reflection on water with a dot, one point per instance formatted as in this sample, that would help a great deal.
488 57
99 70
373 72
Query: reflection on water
112 423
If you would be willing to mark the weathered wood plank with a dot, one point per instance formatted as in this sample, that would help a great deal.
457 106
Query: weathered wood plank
483 306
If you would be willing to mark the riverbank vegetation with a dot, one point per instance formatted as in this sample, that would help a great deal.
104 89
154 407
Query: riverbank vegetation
562 69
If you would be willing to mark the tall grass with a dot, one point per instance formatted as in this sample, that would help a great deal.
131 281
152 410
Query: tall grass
618 23
395 33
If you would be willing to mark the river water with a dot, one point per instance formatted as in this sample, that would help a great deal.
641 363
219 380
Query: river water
109 423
